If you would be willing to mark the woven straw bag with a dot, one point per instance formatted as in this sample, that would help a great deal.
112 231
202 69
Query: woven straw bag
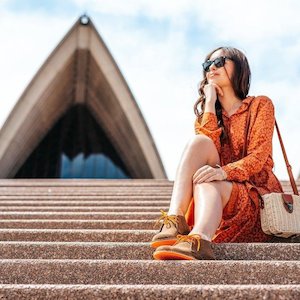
277 219
279 212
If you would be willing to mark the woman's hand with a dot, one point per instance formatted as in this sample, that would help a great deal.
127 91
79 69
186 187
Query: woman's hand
211 90
208 174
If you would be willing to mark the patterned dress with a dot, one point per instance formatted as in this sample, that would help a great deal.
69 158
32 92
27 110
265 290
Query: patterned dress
241 215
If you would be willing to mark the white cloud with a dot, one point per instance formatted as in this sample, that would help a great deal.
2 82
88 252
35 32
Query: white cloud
250 21
132 8
246 21
3 2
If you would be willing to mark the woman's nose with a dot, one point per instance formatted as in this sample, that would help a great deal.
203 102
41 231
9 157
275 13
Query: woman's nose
212 67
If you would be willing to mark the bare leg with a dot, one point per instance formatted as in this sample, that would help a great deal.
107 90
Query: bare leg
199 151
209 198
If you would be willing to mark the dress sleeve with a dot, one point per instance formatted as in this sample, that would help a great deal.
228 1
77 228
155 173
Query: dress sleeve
259 146
209 127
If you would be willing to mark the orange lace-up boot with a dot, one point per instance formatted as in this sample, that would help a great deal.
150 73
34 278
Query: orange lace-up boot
171 226
187 247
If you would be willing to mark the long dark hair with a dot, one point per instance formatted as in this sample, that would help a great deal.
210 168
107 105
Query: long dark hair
240 82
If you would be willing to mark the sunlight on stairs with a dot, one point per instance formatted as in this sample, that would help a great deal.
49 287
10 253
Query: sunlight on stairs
89 239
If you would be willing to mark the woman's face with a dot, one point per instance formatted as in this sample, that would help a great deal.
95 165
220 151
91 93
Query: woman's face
220 76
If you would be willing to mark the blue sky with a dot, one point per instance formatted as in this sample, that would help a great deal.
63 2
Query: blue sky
159 47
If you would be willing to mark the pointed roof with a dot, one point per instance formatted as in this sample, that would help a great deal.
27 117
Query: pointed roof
80 70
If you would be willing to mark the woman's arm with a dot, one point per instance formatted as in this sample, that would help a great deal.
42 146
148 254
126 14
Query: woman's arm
259 147
209 122
209 127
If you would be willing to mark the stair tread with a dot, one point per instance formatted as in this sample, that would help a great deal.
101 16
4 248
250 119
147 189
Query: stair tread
80 215
138 250
149 291
97 204
81 208
67 271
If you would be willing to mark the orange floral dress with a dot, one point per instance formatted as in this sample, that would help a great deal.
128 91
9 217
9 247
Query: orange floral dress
241 215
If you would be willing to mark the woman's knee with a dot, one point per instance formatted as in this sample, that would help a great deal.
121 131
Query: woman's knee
224 189
200 139
204 145
203 141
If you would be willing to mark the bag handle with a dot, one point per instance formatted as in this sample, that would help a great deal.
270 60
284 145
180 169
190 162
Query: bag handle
288 166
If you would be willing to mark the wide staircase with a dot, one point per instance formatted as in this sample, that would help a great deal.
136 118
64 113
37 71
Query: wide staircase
89 239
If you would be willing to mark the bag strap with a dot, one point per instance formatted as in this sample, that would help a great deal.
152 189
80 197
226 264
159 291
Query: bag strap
288 166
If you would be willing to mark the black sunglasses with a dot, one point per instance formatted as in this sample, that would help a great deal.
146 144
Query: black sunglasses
218 62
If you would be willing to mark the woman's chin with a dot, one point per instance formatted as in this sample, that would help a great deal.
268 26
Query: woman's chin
215 80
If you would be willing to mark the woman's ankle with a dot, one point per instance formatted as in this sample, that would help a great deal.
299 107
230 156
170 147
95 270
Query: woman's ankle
202 235
175 212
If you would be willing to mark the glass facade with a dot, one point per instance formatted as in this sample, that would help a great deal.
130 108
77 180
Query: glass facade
76 147
93 166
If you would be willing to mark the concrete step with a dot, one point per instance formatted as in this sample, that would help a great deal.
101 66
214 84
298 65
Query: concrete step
92 182
85 203
137 193
79 224
120 198
78 235
88 235
25 209
140 251
88 190
82 183
148 272
81 187
149 291
81 215
100 185
130 194
89 239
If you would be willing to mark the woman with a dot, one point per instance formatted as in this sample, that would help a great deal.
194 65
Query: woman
217 191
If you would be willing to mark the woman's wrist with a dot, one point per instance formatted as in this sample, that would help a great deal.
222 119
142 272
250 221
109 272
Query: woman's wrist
224 174
210 107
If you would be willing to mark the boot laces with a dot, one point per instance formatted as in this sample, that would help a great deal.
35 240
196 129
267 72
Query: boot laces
166 220
190 239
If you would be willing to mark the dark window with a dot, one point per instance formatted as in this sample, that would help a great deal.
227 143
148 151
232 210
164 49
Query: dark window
76 147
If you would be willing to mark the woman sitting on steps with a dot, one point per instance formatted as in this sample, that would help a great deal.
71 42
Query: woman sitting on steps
213 199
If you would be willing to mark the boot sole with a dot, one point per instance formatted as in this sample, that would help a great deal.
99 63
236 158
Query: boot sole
170 255
163 243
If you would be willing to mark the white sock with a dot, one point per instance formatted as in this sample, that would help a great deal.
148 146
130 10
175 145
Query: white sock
205 237
177 212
